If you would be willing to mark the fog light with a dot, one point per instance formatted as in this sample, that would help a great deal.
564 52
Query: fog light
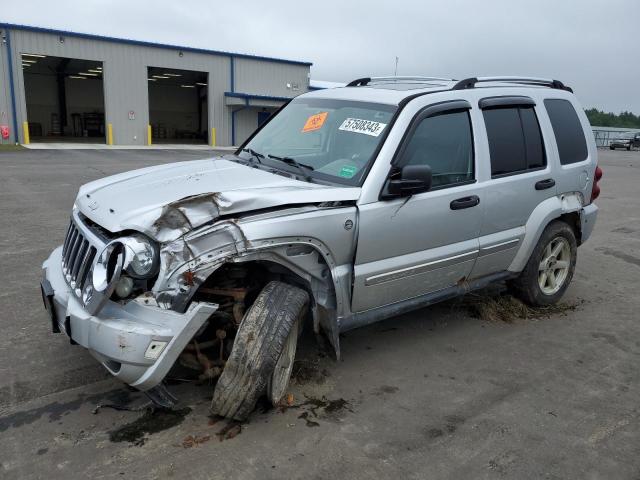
124 287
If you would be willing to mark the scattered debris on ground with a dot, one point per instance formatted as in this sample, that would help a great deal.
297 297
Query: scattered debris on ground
231 430
493 306
194 440
153 421
309 423
308 371
122 407
322 407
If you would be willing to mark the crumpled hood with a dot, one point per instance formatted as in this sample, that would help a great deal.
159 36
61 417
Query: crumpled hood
167 201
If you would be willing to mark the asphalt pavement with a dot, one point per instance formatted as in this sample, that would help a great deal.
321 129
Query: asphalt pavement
437 393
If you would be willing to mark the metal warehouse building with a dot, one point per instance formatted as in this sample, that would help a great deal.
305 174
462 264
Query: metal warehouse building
59 86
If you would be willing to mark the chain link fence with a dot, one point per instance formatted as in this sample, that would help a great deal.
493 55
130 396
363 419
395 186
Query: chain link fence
604 135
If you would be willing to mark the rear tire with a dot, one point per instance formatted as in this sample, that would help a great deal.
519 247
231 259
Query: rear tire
612 148
261 338
550 268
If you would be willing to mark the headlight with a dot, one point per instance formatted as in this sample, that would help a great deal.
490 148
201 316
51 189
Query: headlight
141 256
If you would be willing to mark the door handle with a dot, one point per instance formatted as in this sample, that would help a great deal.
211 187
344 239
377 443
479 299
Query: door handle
544 184
466 202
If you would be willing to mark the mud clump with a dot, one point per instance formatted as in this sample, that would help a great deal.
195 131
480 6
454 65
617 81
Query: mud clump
231 430
308 371
326 408
153 421
506 308
309 423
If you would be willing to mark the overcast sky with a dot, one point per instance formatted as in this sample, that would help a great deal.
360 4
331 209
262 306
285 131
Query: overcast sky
591 45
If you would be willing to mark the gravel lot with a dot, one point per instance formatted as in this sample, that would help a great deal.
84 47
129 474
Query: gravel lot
438 393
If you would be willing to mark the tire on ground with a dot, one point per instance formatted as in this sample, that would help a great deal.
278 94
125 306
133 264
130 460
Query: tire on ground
526 286
259 341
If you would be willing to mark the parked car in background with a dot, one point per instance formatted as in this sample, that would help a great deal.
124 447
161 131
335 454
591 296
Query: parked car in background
348 206
628 140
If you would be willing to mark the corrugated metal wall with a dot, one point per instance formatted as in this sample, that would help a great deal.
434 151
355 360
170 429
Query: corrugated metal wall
6 116
263 78
125 78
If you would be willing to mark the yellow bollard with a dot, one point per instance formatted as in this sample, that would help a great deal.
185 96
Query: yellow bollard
25 128
149 135
109 134
213 137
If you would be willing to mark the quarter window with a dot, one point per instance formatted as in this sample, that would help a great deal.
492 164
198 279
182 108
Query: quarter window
567 130
515 141
444 142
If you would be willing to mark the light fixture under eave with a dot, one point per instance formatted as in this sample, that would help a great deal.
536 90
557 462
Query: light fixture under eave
88 74
26 64
172 74
94 71
201 84
188 86
77 77
33 55
152 79
28 60
159 76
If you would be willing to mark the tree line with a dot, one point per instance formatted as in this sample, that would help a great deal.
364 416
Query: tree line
598 118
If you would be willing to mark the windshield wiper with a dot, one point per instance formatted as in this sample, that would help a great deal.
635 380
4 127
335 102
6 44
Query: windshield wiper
254 155
295 163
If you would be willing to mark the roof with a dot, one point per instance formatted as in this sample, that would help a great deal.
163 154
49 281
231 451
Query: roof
321 84
386 94
393 90
142 43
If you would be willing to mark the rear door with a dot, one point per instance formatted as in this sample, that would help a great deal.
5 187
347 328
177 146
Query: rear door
520 179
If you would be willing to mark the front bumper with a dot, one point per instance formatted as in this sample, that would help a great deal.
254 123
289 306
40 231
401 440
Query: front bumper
135 342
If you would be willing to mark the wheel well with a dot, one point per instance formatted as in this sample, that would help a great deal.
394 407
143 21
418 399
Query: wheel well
573 220
242 282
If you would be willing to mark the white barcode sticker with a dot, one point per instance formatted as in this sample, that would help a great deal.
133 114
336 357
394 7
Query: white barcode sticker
358 125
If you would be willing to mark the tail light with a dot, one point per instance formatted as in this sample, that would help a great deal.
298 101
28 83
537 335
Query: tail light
595 190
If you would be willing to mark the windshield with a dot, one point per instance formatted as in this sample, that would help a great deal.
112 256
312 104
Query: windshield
332 140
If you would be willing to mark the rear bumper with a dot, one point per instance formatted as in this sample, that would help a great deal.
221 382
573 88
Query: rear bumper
588 216
135 342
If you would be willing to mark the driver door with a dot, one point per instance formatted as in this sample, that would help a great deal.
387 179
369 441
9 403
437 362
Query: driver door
416 245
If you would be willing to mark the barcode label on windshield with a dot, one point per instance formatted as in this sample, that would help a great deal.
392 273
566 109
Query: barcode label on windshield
357 125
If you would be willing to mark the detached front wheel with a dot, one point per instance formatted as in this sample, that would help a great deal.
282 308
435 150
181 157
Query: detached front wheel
263 351
550 268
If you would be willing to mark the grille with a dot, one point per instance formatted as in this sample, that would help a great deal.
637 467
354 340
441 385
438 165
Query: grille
78 254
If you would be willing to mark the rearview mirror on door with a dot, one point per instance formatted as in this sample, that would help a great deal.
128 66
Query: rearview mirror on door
409 180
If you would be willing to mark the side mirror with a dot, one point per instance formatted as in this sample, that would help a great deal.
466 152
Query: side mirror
411 179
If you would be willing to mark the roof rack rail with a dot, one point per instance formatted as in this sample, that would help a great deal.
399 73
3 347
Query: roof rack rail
542 82
361 82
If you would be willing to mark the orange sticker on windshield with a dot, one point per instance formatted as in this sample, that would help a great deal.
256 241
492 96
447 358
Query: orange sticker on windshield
314 122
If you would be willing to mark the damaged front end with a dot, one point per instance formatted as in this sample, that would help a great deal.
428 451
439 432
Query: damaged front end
172 293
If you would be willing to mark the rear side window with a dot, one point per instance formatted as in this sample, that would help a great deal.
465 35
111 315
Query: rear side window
515 141
567 129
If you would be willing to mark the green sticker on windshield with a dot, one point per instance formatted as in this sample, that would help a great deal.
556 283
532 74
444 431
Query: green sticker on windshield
348 171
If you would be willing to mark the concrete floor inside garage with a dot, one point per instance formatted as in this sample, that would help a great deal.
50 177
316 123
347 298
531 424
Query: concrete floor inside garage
437 393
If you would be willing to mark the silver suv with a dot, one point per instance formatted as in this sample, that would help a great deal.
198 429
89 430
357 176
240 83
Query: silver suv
346 207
